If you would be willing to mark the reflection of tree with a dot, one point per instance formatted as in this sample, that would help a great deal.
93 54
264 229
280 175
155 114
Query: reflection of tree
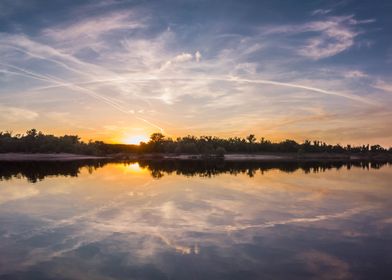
36 171
211 168
157 174
251 172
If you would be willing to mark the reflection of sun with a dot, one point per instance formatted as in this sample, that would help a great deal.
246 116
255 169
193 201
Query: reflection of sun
135 139
133 168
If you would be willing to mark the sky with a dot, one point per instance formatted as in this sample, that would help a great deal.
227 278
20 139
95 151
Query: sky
112 70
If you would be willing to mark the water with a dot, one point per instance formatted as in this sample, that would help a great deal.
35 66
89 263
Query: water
195 220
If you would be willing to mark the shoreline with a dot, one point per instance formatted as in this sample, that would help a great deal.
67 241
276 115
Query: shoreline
46 157
15 157
277 157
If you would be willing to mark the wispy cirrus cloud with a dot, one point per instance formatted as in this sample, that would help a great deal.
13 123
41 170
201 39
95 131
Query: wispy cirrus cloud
94 27
323 38
321 12
120 60
14 114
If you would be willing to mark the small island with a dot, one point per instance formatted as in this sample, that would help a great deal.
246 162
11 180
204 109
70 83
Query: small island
36 146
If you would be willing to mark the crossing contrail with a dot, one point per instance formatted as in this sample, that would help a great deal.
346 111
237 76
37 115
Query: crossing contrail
61 83
235 80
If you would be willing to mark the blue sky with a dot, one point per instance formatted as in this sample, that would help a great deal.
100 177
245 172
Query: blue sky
279 69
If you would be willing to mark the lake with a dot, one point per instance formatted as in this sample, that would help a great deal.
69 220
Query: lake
195 220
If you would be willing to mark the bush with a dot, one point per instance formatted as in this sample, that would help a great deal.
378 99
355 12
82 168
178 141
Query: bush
220 152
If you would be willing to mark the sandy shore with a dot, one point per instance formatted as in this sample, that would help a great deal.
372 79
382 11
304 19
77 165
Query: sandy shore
44 157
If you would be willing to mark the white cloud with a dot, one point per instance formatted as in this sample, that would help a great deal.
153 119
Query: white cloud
332 41
326 38
13 114
382 85
93 27
198 56
355 74
321 12
183 57
138 73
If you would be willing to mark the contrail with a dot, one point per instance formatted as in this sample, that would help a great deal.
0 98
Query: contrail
61 83
115 104
62 64
269 82
150 123
283 84
23 73
241 80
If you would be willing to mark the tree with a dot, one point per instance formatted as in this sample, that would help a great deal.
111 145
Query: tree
251 138
32 132
157 137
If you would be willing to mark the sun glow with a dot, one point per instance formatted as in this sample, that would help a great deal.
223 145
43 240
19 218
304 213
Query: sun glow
133 168
135 139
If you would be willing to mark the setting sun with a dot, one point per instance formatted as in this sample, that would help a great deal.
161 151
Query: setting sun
135 139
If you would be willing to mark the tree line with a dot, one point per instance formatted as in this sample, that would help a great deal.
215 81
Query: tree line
209 145
34 141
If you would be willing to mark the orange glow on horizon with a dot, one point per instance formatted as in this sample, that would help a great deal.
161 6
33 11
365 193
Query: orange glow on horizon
135 139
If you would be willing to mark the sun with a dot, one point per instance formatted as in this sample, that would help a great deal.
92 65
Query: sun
135 139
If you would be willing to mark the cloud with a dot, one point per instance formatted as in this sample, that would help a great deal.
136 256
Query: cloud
321 12
15 114
383 85
324 38
144 75
93 27
183 57
331 42
198 56
355 74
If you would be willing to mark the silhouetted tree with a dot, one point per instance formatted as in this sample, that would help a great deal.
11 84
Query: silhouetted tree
34 141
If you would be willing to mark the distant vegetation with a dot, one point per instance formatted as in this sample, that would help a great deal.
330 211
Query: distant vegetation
34 141
37 142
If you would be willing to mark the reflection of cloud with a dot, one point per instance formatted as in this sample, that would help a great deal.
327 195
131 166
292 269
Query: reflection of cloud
315 219
154 216
387 220
10 193
182 249
174 215
325 266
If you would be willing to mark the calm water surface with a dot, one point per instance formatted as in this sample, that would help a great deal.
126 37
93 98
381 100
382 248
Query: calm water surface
195 221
